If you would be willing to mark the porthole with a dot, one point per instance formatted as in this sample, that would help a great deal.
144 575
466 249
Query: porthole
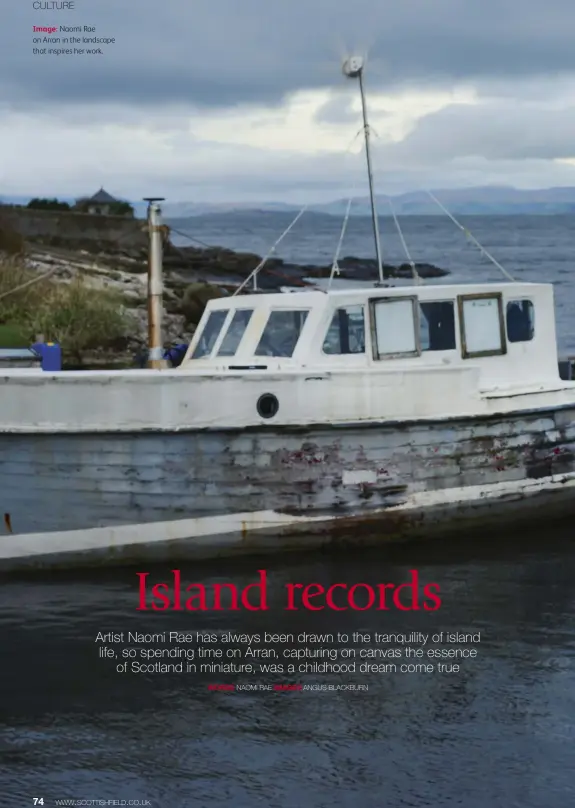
268 405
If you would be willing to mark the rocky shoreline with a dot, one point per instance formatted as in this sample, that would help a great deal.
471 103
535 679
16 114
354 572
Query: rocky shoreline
216 264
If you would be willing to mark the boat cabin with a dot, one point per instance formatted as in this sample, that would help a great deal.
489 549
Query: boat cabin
507 330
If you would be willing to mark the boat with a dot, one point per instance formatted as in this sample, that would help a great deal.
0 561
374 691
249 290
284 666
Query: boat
314 418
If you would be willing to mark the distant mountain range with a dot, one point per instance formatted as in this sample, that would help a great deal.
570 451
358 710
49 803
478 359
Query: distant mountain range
487 200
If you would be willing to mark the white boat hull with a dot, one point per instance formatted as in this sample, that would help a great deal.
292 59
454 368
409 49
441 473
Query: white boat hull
114 467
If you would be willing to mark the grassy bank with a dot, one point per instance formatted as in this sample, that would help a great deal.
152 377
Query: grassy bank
93 302
13 336
80 318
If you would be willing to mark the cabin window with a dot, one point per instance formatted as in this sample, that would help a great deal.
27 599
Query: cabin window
346 333
394 327
210 333
481 324
281 333
437 326
520 320
235 332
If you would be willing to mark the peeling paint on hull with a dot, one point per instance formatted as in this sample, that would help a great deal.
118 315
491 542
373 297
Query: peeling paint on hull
201 494
425 515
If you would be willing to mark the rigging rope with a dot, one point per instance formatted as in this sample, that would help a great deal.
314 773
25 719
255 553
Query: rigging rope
416 276
191 238
335 265
472 238
254 272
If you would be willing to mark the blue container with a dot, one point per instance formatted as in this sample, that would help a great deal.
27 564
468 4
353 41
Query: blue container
50 354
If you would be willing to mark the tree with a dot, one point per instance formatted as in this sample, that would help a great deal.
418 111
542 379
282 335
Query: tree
47 204
121 209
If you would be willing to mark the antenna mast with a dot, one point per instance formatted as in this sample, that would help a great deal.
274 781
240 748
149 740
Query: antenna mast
353 69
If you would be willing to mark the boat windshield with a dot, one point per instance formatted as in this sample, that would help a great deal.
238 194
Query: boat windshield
210 334
281 333
235 332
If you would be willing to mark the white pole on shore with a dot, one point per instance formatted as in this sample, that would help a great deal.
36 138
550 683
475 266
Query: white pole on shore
155 285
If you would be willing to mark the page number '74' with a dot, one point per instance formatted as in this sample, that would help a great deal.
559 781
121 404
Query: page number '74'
38 800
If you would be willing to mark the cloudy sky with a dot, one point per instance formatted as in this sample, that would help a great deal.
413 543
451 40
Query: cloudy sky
232 100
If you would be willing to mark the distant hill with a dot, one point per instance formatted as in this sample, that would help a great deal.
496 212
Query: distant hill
489 200
182 210
486 200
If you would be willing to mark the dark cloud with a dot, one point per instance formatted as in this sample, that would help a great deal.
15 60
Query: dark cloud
342 108
218 53
501 130
177 60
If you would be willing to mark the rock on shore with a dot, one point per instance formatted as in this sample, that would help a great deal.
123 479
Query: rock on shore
218 265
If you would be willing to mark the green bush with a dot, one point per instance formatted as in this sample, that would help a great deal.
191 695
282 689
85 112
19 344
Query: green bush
81 319
75 315
16 306
195 298
121 209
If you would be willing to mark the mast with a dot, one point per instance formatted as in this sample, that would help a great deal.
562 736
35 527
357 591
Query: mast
353 69
155 285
